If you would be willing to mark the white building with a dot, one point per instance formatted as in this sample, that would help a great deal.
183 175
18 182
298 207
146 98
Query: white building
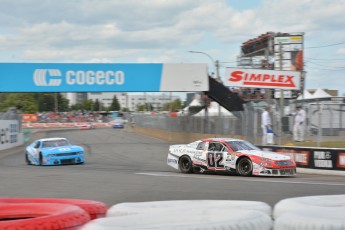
131 100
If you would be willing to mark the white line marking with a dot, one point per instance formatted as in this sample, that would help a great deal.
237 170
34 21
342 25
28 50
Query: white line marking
242 179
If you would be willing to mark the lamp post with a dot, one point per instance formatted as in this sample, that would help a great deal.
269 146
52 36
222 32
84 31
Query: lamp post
216 65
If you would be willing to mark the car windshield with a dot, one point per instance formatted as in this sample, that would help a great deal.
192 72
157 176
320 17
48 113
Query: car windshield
241 145
55 143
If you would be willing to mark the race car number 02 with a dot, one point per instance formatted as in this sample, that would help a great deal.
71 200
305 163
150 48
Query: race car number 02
214 160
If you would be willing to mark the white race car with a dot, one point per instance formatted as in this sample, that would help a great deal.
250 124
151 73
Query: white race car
229 155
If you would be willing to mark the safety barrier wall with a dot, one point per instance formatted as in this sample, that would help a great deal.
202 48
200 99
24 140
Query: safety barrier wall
62 125
312 157
10 134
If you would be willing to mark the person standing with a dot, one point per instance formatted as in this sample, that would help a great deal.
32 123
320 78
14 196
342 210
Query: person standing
266 124
298 128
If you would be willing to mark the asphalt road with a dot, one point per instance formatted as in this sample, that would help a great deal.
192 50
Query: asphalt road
126 167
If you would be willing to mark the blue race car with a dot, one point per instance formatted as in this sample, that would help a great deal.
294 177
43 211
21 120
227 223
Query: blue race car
117 123
53 151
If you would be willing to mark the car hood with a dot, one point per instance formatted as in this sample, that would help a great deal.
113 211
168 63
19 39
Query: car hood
265 154
63 149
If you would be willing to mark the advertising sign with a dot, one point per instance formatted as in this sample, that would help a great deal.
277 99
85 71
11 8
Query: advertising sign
9 134
29 118
258 78
310 157
92 77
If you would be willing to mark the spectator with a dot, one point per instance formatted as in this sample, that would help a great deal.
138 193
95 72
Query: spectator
266 124
298 128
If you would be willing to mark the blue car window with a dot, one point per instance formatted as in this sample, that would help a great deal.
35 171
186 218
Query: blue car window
37 145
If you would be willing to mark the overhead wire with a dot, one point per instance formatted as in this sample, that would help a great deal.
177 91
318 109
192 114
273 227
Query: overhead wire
315 47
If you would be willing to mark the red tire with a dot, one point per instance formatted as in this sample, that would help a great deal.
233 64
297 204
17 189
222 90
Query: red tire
31 216
95 209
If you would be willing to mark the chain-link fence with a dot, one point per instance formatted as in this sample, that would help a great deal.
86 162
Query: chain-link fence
324 122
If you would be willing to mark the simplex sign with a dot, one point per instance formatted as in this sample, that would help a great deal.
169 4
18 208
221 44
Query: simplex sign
258 78
92 77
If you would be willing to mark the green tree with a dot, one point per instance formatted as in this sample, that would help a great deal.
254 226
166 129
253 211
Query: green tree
97 105
141 107
26 102
115 105
172 106
88 105
63 103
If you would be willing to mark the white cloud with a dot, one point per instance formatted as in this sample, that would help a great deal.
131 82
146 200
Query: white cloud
163 30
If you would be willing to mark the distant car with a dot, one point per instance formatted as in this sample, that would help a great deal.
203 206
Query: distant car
229 155
117 123
54 151
86 126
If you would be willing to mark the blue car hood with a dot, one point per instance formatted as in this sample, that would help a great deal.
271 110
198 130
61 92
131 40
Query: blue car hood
62 149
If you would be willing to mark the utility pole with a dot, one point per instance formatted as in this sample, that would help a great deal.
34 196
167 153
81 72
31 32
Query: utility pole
281 93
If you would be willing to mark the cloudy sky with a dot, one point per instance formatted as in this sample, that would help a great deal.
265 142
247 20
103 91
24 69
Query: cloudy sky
163 31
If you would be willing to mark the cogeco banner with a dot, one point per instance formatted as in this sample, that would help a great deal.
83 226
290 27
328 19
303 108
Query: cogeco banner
94 77
258 78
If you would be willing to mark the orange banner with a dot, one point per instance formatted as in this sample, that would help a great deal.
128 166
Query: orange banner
29 118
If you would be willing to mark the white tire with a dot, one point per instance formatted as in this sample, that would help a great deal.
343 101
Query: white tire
191 219
157 206
313 219
336 202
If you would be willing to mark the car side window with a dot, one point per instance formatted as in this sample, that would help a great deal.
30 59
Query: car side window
216 146
201 146
212 146
37 145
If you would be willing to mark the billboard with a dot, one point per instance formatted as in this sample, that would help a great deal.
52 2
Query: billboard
288 55
92 77
288 52
259 78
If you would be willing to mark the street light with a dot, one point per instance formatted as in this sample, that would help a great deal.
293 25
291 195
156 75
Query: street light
215 63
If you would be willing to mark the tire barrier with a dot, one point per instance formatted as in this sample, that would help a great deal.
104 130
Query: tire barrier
123 209
312 219
95 209
310 213
189 218
187 214
307 203
31 216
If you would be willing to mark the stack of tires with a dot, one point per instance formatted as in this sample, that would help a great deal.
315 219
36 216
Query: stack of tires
186 214
310 213
305 213
48 213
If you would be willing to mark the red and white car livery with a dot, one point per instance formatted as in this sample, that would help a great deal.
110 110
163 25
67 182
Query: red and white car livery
229 155
86 126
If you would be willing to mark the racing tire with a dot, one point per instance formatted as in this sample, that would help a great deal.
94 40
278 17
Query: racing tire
244 167
185 164
27 161
42 216
95 209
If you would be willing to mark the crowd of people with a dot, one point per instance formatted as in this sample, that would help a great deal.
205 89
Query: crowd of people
66 117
